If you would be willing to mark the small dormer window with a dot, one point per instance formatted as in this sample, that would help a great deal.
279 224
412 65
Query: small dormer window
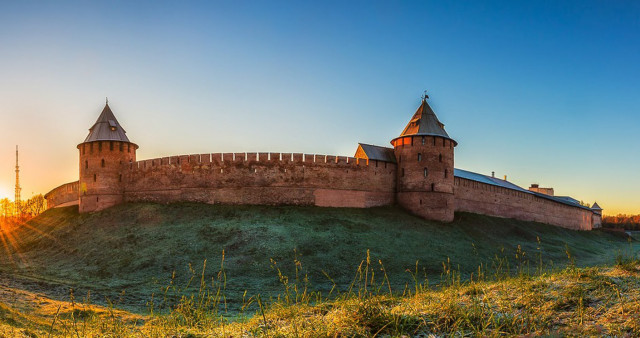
112 125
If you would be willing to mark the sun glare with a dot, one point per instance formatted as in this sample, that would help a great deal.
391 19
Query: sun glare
5 193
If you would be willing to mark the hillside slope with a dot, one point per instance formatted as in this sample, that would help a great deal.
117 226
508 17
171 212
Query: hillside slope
136 247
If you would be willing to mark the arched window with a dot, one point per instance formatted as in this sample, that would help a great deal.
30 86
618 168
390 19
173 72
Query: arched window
102 163
425 172
440 157
419 157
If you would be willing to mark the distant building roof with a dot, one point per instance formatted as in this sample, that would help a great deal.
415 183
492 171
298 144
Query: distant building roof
425 122
508 185
107 128
595 206
377 153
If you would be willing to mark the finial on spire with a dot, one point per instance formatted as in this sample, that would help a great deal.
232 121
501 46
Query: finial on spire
425 96
106 99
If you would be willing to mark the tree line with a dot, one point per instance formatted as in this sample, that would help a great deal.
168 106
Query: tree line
24 210
628 222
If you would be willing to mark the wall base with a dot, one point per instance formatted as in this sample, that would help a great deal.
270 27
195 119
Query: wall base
436 206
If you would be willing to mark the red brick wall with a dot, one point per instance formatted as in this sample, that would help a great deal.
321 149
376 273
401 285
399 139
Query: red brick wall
429 196
102 165
262 178
65 193
480 198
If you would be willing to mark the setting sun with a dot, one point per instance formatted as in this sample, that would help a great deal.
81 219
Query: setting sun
5 193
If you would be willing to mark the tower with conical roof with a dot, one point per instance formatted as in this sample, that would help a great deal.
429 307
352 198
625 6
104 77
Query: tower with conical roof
424 154
104 156
597 215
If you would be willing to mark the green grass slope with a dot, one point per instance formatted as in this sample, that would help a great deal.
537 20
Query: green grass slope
136 247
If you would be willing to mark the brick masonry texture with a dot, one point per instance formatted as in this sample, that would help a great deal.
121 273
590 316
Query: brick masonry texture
491 200
263 178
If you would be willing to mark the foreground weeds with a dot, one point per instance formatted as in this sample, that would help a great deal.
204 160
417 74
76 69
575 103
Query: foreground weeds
498 299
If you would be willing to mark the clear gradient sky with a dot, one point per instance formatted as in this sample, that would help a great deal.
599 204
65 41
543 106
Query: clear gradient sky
542 91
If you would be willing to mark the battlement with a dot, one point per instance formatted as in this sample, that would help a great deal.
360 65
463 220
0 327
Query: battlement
65 194
262 178
195 161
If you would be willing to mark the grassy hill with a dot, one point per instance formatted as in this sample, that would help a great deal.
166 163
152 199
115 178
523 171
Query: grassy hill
136 248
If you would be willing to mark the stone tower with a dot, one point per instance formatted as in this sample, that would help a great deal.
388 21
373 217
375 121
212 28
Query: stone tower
424 153
104 156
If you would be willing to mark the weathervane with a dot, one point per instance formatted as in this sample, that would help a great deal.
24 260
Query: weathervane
425 96
106 99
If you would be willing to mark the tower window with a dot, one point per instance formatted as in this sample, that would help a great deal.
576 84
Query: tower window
91 148
86 164
446 173
128 148
440 157
425 172
121 147
95 177
102 163
111 145
402 172
434 140
99 146
120 178
433 187
424 140
419 157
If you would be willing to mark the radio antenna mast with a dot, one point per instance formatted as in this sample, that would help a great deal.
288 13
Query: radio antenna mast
17 196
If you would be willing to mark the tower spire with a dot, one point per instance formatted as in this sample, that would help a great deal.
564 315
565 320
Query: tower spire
17 195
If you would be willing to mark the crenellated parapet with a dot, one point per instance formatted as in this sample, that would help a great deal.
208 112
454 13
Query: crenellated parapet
263 178
63 195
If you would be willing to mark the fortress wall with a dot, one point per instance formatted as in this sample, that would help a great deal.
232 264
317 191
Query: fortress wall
480 198
262 178
64 194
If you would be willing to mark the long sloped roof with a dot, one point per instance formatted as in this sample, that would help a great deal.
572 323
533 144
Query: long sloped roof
107 128
469 175
425 122
378 153
506 184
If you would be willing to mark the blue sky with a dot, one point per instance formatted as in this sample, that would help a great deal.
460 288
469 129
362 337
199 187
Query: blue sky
541 91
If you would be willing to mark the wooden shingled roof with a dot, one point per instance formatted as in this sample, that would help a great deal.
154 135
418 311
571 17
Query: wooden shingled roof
107 128
425 122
